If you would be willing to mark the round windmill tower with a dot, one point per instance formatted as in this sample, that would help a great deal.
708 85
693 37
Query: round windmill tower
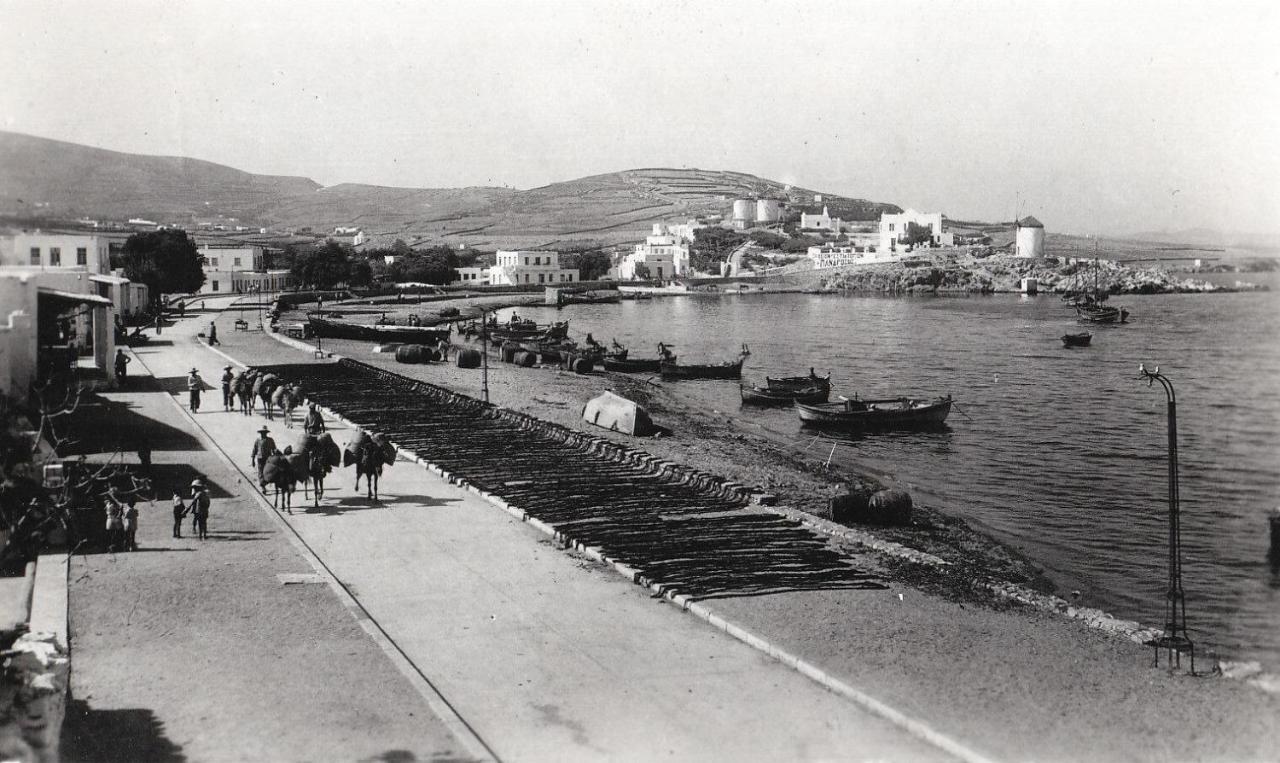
1029 238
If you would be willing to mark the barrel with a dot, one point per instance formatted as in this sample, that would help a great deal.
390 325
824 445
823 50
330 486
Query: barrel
581 365
433 355
524 359
411 353
509 350
469 359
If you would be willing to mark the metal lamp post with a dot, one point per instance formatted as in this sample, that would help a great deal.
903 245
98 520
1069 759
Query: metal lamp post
1174 639
484 353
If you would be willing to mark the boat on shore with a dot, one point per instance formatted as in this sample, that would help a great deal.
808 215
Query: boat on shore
729 369
884 414
330 328
757 395
1077 340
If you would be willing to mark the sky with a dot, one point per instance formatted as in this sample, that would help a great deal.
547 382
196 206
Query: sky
1094 116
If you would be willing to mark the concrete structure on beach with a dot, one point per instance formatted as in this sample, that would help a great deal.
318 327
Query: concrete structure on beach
1029 238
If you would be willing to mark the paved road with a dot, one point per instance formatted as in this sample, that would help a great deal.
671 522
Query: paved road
546 655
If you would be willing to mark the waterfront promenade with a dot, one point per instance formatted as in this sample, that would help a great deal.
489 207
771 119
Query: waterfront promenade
548 655
542 655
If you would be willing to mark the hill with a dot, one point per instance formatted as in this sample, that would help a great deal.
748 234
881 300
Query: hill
55 180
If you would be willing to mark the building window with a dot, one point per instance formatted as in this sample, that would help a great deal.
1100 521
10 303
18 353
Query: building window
526 278
537 260
35 255
213 261
55 255
215 285
542 278
890 226
237 263
571 276
82 256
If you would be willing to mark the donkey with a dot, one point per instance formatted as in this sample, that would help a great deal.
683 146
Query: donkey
279 472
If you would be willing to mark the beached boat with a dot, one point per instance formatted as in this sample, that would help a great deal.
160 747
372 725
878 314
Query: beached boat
893 413
330 328
757 395
1077 340
798 382
521 331
729 369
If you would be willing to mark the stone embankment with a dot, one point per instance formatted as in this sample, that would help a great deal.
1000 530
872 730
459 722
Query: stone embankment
955 271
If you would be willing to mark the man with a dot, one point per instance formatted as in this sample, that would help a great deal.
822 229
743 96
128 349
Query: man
159 321
228 396
122 366
315 422
200 508
194 384
263 448
131 526
213 333
115 519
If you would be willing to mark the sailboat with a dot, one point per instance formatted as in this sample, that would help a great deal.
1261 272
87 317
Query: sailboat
1089 305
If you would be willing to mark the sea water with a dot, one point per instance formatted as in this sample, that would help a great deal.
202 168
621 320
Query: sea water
1061 453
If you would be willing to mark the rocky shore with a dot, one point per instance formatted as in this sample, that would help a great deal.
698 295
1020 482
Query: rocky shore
940 271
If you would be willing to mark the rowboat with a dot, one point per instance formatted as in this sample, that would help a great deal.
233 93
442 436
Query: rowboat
634 365
798 382
756 395
329 328
1076 340
729 369
892 413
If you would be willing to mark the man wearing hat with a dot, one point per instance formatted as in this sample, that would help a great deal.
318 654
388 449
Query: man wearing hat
199 508
194 383
263 448
228 397
314 423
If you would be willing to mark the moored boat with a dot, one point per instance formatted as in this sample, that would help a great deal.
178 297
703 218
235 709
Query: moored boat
757 395
1077 340
729 369
798 382
884 414
634 365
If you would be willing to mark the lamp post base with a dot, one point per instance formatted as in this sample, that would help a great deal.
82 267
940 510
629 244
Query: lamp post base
1175 644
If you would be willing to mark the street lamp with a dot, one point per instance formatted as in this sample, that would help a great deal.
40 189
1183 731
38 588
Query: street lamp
1174 639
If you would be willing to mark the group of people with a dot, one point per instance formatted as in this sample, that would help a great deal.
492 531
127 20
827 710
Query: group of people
122 520
198 509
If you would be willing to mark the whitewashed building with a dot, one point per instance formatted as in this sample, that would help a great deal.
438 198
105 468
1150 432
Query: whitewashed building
823 222
894 229
473 276
663 255
1029 238
239 269
520 268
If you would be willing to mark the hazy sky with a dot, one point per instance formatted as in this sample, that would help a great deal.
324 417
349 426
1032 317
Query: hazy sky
1093 116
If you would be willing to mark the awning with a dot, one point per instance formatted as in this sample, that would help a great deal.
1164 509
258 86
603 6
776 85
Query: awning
71 297
113 280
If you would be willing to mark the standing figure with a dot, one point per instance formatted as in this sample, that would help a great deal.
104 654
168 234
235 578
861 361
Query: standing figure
213 334
228 396
179 511
122 366
131 526
200 508
194 383
159 322
263 448
115 519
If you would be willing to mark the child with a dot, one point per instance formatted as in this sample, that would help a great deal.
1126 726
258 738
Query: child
179 511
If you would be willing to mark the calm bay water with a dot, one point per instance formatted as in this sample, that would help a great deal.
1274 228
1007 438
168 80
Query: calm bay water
1060 453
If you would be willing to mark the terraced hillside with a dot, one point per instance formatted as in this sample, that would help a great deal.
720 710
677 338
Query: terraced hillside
42 178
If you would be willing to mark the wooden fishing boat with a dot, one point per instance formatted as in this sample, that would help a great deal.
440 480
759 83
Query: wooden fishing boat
886 414
729 369
1095 313
757 395
1077 340
330 328
634 365
528 331
798 382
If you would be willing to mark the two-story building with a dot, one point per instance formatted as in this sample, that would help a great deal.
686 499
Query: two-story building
239 269
896 230
663 255
521 268
58 307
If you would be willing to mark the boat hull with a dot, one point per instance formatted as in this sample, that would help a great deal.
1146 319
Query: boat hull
770 396
633 366
883 415
798 382
332 329
675 371
1077 340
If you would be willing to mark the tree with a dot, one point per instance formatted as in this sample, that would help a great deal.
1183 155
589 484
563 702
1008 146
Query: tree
768 239
323 267
712 246
361 273
918 234
165 260
592 264
642 271
434 265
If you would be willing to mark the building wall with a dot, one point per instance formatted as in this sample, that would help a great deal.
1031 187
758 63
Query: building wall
530 267
894 227
37 250
18 337
823 222
473 276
